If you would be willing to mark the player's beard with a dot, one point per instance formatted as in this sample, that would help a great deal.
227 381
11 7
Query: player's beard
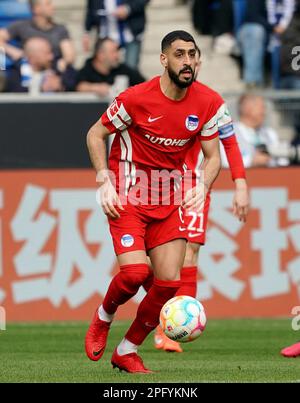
176 77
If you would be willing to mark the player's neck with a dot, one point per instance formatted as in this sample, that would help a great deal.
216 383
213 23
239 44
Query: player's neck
170 89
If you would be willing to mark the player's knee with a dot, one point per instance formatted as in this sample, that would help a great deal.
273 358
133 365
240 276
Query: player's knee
134 278
191 254
168 276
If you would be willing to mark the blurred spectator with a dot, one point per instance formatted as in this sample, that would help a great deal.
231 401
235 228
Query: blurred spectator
202 15
37 72
104 71
41 25
252 37
224 42
280 14
254 138
290 53
212 17
122 20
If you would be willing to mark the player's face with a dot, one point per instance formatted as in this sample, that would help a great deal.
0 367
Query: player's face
181 63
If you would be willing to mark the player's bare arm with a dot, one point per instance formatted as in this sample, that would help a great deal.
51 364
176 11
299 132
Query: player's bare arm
96 142
195 198
241 200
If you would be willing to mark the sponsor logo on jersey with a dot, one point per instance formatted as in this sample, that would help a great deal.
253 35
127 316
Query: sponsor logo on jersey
127 240
192 123
166 142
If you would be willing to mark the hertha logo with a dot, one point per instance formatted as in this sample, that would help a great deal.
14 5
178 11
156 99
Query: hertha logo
192 123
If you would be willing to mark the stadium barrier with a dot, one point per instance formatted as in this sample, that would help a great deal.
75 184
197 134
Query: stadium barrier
47 131
57 257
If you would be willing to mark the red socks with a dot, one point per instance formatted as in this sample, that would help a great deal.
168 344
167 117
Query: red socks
124 286
188 276
147 317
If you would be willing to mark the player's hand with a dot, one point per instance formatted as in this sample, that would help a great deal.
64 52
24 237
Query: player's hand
110 199
195 198
241 200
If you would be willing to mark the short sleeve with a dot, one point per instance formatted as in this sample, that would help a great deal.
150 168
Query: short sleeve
210 129
225 123
118 116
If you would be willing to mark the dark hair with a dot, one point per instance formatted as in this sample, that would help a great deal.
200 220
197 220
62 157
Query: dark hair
100 43
174 36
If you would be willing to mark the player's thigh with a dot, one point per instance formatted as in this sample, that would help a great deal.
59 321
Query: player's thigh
167 259
134 257
128 236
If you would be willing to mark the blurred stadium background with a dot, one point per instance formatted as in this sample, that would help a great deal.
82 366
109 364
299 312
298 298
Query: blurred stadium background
56 256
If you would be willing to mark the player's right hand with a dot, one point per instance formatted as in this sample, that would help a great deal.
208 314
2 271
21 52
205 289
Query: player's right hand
110 200
195 198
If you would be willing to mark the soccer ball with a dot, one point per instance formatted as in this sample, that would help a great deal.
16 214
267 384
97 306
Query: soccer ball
182 319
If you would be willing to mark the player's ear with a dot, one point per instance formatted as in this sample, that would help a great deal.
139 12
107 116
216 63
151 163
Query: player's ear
164 60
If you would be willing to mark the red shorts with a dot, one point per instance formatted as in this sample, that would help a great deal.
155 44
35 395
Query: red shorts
196 223
142 228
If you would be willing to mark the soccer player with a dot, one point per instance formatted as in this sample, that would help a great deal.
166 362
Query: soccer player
197 222
292 351
156 123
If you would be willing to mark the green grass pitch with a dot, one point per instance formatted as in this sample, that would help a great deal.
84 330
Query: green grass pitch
228 351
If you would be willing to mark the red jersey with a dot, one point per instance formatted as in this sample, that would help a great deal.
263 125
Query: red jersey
154 132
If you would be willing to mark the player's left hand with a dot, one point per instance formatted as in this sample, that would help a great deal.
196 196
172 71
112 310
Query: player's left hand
241 202
195 198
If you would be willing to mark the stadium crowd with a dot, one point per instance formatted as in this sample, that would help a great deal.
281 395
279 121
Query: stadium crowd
41 55
261 34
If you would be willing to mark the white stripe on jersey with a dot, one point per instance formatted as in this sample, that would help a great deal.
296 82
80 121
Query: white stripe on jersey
207 132
123 149
124 115
221 118
126 155
127 177
199 164
118 116
126 137
133 174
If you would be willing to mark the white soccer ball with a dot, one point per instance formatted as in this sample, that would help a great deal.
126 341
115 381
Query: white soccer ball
182 319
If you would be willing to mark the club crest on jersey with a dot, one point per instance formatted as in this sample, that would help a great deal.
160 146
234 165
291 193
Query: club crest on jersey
192 123
127 240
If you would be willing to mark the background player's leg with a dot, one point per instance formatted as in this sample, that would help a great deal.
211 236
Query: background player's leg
188 277
189 271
